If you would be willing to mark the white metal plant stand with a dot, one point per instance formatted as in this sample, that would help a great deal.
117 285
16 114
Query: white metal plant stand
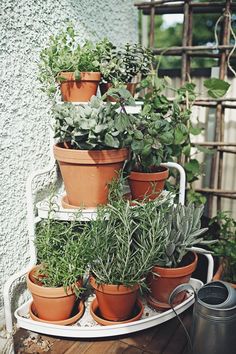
83 329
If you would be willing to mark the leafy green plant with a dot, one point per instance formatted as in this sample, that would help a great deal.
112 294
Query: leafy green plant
226 245
65 54
64 252
182 232
94 126
122 65
126 240
177 112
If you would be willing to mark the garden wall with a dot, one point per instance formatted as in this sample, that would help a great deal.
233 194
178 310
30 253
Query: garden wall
25 28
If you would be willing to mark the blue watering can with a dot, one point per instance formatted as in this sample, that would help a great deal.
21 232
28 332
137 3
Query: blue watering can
213 329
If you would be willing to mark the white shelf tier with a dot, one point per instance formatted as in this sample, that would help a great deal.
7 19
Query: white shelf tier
130 109
83 329
54 207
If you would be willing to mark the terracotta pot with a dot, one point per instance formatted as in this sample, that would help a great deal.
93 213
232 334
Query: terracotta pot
51 304
87 173
147 185
162 281
219 275
79 90
105 86
115 302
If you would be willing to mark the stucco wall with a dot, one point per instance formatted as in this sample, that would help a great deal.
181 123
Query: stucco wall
24 124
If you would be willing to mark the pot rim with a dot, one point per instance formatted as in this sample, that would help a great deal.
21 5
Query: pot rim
44 291
111 288
89 157
176 272
149 176
219 274
84 76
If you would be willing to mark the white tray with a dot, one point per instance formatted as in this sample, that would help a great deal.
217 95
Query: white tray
86 327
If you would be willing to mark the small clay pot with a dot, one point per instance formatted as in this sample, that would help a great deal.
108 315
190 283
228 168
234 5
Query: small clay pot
162 281
105 86
51 304
82 90
87 173
115 302
219 275
147 185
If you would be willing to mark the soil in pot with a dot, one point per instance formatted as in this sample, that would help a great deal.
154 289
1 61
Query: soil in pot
147 185
79 90
51 304
87 173
115 302
162 281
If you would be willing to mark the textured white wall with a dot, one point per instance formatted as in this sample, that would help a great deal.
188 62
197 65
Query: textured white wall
24 123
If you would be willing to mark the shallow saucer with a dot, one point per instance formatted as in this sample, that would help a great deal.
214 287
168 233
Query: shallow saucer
136 314
161 306
68 321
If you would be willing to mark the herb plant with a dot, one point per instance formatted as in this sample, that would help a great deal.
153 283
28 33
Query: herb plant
182 232
94 126
226 245
63 250
177 112
126 241
65 54
122 65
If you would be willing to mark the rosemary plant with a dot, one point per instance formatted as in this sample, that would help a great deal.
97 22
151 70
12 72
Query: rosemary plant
126 240
64 252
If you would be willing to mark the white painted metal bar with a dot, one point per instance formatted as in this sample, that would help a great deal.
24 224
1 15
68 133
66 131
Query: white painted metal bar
182 181
207 254
31 233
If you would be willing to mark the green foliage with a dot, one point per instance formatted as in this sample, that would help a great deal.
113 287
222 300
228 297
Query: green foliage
216 87
94 126
65 54
226 246
126 240
183 231
63 249
195 197
122 65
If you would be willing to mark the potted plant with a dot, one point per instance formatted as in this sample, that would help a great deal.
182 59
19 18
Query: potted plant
176 262
63 253
124 66
122 254
74 67
225 248
91 149
150 144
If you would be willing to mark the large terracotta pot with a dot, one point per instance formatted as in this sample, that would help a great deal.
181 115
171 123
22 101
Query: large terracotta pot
51 304
115 302
79 90
162 281
105 86
147 185
219 275
87 173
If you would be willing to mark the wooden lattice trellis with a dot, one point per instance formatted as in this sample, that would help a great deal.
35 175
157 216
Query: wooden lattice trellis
187 51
